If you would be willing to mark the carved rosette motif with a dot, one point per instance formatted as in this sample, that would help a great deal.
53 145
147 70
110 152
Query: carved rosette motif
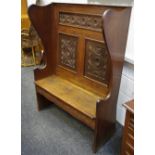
81 20
68 49
96 60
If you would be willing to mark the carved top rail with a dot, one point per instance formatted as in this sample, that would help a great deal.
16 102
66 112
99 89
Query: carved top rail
81 20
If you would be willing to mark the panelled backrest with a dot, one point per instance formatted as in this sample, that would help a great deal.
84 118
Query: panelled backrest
74 43
82 57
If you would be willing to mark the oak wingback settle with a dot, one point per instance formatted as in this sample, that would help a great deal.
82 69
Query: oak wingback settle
84 54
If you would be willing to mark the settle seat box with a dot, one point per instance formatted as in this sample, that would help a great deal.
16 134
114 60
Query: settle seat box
84 54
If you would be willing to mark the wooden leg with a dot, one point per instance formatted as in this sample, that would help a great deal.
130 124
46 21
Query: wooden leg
42 102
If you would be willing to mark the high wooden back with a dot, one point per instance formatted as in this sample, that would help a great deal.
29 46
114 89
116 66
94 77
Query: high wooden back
81 53
74 43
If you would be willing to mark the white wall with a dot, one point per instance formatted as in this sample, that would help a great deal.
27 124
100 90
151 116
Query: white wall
29 2
126 91
129 56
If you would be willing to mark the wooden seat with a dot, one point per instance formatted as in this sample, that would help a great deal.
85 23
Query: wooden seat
71 94
84 53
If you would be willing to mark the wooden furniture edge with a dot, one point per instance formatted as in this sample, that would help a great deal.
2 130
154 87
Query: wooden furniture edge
129 106
114 22
127 129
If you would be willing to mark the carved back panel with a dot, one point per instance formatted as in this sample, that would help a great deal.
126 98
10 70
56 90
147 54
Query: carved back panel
67 51
92 22
96 60
82 56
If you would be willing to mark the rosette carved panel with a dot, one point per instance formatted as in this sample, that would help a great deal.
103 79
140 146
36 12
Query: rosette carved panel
96 60
81 20
68 50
